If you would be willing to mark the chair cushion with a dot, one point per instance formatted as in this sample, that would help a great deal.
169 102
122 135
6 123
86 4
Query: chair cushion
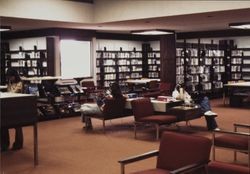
226 168
178 150
161 119
232 141
152 171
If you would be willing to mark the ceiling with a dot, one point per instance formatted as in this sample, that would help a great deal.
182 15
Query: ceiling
180 23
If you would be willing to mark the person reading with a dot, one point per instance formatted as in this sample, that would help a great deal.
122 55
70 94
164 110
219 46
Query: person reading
201 100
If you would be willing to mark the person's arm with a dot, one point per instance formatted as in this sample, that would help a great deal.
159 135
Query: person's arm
175 94
16 87
187 97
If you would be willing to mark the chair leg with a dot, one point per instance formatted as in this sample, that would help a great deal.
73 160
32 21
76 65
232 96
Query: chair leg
103 125
135 130
213 146
235 156
249 153
157 131
85 120
122 169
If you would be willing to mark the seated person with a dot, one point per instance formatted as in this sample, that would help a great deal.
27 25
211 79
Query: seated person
97 108
202 100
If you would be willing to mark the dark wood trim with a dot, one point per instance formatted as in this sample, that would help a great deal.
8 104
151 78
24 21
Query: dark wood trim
50 55
118 36
64 33
168 59
215 33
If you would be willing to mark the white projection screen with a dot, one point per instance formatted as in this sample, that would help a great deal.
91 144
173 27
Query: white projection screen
75 59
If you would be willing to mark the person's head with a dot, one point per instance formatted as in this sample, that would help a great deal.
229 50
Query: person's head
12 76
179 86
115 90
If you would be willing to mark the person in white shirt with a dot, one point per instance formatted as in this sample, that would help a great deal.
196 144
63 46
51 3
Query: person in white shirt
202 100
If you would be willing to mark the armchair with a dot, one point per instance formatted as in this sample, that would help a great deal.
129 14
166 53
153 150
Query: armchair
113 108
226 168
236 141
143 112
177 153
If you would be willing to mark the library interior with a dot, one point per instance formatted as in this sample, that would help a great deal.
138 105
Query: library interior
125 86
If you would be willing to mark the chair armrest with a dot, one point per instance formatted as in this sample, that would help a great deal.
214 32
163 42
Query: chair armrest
242 125
137 158
231 132
189 167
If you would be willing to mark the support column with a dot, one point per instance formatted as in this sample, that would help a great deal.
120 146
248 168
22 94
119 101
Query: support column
168 59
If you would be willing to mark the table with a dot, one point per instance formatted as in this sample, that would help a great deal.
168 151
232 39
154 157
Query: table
239 85
38 80
141 81
186 113
3 88
159 106
20 110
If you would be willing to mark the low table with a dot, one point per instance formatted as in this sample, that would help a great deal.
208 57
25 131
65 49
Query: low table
186 113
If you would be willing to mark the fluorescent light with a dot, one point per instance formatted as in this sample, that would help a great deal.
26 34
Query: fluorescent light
4 28
152 32
245 25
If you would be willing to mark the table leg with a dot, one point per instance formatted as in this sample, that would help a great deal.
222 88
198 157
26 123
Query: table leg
35 145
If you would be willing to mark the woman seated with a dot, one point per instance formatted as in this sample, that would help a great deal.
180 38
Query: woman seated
200 99
97 108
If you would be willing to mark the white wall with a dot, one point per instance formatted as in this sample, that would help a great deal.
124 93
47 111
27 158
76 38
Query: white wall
28 43
55 10
117 10
116 44
110 10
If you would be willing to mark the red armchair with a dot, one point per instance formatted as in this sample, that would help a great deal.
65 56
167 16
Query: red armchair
236 141
177 153
226 168
113 108
143 112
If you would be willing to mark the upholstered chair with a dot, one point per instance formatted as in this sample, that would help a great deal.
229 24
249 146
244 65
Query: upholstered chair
113 108
143 112
216 167
238 141
177 153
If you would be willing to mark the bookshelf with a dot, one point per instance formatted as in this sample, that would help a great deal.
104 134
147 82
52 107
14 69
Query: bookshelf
200 64
118 66
31 62
240 64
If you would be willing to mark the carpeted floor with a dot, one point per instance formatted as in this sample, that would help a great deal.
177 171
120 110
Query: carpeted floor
65 148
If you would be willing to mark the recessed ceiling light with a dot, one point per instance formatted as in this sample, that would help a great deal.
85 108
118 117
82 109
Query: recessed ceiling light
152 32
4 28
242 25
